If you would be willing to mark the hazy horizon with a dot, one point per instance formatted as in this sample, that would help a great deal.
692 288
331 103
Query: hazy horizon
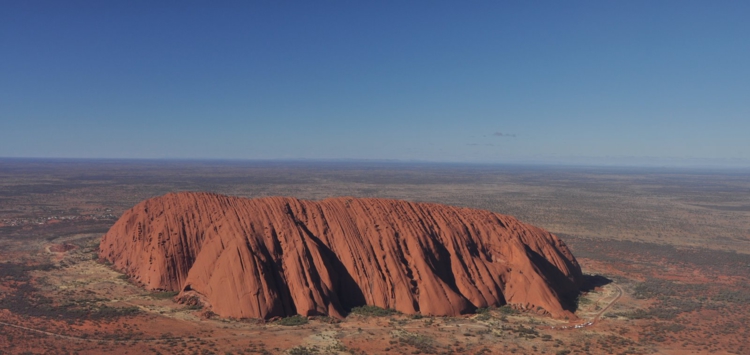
582 163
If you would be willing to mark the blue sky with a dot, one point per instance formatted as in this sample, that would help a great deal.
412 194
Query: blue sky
557 81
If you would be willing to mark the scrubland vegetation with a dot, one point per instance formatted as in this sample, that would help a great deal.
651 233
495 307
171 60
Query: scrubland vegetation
675 242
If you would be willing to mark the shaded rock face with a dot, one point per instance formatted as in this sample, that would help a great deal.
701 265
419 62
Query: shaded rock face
279 256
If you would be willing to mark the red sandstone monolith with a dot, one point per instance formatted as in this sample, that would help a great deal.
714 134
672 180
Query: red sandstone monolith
280 256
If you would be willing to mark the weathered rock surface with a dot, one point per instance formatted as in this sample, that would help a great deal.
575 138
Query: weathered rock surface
280 256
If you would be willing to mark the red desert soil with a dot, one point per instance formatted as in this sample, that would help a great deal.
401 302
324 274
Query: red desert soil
280 256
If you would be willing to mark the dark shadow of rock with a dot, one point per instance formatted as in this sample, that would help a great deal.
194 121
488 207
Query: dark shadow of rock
591 282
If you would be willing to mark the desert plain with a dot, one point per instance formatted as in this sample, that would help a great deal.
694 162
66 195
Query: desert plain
665 252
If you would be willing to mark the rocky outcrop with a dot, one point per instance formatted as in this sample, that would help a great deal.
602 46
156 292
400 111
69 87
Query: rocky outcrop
280 256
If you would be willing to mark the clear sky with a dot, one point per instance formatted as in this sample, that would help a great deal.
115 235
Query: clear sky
462 81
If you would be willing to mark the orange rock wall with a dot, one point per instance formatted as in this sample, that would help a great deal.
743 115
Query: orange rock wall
279 256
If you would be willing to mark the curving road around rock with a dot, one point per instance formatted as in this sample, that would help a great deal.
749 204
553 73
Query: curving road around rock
605 309
596 318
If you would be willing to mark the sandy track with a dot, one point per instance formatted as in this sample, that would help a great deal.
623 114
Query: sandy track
595 319
614 300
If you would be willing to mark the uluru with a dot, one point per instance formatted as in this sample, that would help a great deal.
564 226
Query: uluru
281 256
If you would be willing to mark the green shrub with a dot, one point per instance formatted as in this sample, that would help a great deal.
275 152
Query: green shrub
294 320
423 343
301 350
373 311
506 309
162 295
482 310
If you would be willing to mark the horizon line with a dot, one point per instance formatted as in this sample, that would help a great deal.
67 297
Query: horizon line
594 162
